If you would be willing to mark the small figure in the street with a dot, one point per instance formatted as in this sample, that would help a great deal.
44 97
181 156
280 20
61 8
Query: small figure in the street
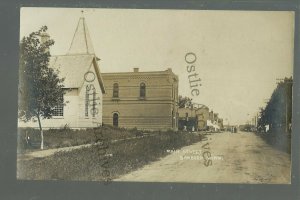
28 140
184 128
267 127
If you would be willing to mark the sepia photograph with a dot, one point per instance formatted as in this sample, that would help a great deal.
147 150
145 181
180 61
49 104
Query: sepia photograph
155 95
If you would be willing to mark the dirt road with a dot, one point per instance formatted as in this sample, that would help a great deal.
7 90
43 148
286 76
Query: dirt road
236 158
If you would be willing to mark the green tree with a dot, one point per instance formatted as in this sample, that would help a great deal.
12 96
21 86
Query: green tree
40 88
185 102
278 111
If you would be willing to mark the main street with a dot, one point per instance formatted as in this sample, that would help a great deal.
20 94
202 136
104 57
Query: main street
236 158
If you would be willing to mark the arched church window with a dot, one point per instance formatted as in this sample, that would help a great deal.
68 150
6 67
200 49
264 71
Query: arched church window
87 98
115 119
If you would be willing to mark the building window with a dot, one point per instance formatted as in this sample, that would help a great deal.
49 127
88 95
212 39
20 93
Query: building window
186 115
90 101
94 110
142 90
116 90
201 116
173 91
87 98
173 118
177 117
59 109
115 119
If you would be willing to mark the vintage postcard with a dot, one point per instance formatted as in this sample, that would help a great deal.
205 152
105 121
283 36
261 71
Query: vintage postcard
150 95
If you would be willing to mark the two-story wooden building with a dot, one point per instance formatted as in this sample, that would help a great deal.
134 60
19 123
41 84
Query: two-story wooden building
83 84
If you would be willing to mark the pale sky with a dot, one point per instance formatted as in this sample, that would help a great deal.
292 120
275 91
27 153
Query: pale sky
239 53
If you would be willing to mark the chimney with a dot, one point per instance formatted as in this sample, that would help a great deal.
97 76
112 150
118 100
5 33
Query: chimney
169 69
136 69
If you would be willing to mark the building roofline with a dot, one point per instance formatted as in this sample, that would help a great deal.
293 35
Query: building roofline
88 46
82 54
165 72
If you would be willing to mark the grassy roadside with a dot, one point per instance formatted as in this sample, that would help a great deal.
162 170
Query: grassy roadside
65 137
91 164
278 140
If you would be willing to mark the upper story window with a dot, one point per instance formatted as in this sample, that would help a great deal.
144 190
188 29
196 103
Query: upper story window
116 90
201 116
142 90
87 99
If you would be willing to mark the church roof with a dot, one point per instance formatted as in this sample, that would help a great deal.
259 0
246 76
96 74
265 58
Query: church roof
79 59
81 42
73 69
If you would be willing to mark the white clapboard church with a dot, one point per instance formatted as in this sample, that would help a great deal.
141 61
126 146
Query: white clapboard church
83 84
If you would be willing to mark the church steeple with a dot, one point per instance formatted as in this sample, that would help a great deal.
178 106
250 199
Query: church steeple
81 42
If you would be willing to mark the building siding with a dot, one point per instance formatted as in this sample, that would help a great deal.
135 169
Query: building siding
74 110
154 112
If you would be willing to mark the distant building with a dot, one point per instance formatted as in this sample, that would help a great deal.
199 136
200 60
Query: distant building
213 123
196 117
211 116
202 116
220 123
83 84
142 100
187 113
187 119
216 118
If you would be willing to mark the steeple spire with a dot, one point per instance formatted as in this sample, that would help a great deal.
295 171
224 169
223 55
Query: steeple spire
81 42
